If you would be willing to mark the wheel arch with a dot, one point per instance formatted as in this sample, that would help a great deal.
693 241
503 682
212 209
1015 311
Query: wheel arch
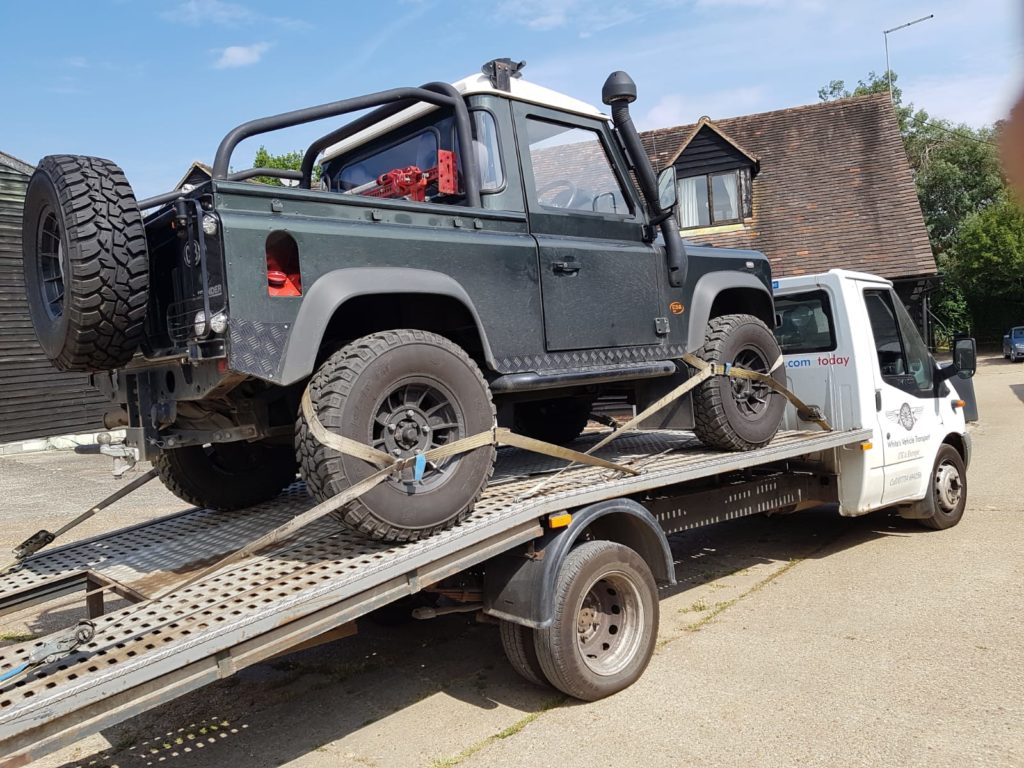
961 444
371 299
724 293
520 589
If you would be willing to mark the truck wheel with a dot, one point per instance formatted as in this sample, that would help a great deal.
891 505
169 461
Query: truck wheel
558 421
518 643
605 624
85 262
226 476
948 495
738 414
402 392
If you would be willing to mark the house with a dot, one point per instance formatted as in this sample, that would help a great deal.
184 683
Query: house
814 188
36 400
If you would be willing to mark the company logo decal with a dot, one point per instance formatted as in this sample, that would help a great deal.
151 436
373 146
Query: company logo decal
676 308
905 416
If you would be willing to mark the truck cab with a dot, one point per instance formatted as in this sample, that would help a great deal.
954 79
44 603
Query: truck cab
850 345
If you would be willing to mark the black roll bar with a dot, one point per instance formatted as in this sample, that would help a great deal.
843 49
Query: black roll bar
439 94
168 197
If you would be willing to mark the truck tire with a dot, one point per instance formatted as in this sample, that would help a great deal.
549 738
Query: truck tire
85 262
948 492
558 421
226 476
739 414
518 643
402 392
605 624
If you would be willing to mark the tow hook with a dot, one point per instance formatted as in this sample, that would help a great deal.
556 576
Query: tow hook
125 457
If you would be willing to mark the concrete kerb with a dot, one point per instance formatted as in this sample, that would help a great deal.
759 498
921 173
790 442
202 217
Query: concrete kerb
58 442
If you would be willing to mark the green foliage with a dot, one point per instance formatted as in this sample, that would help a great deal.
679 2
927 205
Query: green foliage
288 160
987 264
963 196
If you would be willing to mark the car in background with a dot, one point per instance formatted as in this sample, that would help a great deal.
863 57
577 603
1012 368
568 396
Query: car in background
1013 344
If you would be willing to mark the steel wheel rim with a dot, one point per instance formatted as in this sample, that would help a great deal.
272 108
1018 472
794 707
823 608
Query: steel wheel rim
609 623
416 415
948 487
50 265
751 396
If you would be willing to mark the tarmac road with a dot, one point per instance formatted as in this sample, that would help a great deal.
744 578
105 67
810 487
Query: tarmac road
799 640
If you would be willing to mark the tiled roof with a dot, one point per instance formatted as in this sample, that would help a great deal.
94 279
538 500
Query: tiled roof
10 161
834 189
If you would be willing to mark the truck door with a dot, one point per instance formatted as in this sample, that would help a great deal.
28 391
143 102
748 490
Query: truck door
907 409
600 282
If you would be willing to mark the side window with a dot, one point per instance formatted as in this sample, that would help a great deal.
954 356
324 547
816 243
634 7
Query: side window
488 153
571 170
902 356
419 150
804 323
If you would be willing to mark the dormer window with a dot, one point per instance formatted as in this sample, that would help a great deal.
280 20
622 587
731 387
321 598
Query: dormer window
714 175
710 199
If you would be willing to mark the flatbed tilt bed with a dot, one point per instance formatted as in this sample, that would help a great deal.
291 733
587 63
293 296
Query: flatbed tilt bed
326 576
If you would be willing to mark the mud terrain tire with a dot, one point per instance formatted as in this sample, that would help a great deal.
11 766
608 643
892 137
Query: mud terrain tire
85 261
402 392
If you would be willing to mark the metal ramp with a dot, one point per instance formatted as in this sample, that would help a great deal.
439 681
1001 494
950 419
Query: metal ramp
148 653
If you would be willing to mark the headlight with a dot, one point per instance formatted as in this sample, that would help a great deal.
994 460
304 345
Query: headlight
210 225
199 324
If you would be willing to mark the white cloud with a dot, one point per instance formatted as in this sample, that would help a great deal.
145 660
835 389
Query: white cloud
676 109
241 55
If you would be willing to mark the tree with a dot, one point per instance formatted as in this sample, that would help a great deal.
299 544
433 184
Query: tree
987 264
836 89
288 161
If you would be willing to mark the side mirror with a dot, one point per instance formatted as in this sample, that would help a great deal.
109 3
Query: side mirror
667 188
965 357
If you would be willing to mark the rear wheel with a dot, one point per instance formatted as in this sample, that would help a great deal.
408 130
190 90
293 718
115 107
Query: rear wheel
85 261
605 624
518 643
227 476
948 493
734 414
402 392
558 421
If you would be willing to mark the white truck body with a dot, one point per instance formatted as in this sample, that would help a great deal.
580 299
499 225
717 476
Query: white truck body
850 347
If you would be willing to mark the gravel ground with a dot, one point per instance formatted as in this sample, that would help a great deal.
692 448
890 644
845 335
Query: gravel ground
800 640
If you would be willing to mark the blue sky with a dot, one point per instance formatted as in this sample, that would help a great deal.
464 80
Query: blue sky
154 85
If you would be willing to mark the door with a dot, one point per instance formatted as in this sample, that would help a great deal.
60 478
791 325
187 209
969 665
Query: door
908 413
600 283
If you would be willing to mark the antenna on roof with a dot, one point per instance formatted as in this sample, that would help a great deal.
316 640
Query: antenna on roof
501 72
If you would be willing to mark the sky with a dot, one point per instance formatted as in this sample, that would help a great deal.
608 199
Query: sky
156 85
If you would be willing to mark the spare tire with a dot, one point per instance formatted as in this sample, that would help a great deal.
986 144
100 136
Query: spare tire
85 261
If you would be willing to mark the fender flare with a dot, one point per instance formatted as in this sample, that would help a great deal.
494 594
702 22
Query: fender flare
521 588
707 290
333 289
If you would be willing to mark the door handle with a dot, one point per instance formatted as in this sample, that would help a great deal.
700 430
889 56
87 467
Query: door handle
565 267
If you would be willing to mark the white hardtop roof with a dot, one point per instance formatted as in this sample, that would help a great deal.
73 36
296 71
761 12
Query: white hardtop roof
819 277
522 90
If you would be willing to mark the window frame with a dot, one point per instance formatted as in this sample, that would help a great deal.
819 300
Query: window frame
499 149
530 179
906 382
744 194
826 308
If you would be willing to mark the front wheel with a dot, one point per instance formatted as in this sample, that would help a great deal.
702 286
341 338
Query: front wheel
605 624
948 493
402 392
733 414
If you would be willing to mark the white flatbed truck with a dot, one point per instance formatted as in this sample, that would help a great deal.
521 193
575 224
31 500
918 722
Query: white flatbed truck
571 572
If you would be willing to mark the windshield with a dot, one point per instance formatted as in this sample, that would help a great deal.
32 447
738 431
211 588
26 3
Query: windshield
1018 333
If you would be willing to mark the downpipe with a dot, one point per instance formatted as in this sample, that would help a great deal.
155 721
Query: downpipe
619 92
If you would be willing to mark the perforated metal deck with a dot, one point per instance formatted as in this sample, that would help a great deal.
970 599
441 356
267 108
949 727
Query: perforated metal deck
145 654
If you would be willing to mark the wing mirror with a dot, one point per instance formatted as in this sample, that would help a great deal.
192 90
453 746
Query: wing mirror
965 357
667 188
